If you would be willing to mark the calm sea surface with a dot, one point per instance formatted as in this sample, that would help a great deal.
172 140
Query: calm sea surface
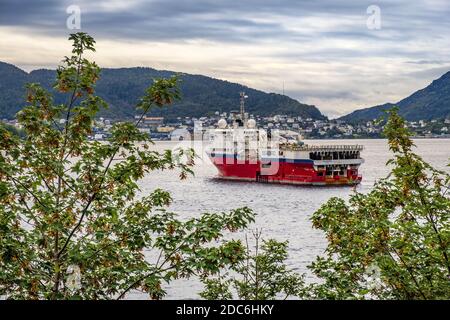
283 211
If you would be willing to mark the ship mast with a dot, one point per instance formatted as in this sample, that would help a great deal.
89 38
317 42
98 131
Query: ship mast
243 97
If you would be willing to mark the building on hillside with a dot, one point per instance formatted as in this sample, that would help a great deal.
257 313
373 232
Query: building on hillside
165 129
152 122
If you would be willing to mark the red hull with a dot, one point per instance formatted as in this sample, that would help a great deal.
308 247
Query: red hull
302 173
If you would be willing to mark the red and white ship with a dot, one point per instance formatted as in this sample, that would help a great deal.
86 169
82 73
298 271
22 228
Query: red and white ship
241 151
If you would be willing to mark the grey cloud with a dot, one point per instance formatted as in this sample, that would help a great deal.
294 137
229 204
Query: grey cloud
219 20
421 62
430 73
414 40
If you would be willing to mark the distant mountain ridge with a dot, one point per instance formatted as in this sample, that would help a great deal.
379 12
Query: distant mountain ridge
123 87
432 102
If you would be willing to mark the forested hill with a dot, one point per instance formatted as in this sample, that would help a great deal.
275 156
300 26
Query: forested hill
123 87
432 102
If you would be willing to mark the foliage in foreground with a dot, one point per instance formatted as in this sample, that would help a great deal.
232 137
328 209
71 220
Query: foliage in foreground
71 223
261 275
13 130
392 243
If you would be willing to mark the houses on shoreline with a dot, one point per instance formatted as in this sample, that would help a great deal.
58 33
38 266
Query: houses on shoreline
180 128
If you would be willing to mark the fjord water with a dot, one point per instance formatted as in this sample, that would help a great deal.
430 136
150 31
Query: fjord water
283 211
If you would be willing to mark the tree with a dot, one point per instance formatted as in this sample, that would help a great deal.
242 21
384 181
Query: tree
261 275
392 243
13 130
72 225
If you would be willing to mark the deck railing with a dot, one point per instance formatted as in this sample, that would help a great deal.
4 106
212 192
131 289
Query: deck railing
355 147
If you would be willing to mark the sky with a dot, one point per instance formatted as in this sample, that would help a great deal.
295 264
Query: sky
339 55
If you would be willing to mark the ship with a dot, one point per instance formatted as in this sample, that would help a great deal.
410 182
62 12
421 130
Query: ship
243 152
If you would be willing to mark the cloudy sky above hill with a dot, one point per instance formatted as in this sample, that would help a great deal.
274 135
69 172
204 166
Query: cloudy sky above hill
335 54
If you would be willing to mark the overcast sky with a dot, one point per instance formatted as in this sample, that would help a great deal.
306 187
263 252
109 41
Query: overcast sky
324 51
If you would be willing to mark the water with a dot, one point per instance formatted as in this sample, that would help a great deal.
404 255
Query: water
283 211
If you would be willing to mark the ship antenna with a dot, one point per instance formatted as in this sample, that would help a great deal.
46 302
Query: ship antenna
243 97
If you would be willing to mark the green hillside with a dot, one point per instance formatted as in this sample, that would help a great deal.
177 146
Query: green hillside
123 87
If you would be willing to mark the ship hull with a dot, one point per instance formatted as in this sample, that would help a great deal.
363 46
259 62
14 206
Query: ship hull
298 172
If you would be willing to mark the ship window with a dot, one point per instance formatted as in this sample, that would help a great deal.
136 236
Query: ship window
320 174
